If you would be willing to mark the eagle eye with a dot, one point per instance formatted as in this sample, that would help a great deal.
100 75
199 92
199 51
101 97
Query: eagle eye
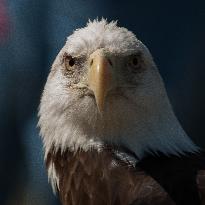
135 62
71 62
68 61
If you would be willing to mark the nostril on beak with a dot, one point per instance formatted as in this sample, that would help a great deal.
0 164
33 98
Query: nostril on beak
91 62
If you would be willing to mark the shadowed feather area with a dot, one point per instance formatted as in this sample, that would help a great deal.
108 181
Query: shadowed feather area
104 178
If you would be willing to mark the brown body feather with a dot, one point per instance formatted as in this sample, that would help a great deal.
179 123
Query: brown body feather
101 178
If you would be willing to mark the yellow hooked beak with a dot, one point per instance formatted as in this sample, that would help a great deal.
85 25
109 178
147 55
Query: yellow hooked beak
100 77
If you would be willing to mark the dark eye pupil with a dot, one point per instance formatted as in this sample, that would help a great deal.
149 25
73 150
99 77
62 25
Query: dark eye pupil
135 61
71 62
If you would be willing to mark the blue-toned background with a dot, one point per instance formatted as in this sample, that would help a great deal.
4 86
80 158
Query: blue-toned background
31 34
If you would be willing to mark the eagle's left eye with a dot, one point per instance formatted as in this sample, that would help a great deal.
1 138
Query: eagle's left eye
135 62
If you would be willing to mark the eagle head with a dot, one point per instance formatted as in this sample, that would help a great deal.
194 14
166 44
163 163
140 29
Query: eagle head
105 87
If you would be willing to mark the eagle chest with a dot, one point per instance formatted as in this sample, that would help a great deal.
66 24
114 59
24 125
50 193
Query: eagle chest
98 178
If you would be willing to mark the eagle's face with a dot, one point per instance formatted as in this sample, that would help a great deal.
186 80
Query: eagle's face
102 85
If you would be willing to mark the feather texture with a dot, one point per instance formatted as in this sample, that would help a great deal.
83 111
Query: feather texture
102 178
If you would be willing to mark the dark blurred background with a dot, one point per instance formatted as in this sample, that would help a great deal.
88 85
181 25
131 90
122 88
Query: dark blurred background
32 33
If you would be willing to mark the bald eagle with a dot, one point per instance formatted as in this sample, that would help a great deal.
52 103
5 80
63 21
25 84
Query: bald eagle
109 132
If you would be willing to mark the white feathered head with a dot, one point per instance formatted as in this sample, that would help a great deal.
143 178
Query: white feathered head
105 87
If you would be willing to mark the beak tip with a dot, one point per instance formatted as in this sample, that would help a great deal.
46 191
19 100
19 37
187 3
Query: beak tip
100 107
